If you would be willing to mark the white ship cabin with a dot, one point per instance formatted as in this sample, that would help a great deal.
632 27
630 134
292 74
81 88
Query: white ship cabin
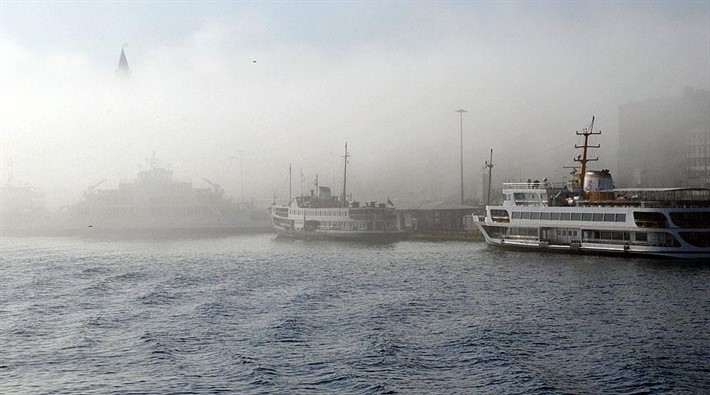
326 212
598 186
539 194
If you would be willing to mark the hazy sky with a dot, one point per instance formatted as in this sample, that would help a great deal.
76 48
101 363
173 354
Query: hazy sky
291 82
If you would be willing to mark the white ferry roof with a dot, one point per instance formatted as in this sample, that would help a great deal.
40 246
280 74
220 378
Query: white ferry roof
681 194
661 189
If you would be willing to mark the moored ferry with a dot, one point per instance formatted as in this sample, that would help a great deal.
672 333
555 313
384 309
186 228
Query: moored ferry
589 215
323 216
156 203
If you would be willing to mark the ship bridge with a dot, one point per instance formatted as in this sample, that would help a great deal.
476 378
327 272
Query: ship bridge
538 194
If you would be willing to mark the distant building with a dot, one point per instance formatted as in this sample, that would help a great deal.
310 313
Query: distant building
436 216
665 142
123 69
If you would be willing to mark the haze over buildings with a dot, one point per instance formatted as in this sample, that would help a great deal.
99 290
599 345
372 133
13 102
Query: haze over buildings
666 141
288 83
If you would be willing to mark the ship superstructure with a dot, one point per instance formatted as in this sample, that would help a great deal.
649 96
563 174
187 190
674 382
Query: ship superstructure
156 201
324 216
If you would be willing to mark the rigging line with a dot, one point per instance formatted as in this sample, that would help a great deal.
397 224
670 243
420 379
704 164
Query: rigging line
566 142
565 159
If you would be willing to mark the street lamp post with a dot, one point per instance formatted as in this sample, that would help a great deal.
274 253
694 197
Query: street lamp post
241 173
461 111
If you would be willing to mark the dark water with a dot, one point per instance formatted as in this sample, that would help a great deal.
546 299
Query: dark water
251 314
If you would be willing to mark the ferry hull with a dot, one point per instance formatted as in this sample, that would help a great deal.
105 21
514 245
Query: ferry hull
594 248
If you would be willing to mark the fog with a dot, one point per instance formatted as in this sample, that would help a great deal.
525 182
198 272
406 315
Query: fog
289 84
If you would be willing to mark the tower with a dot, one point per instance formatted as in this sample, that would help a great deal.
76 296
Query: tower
123 69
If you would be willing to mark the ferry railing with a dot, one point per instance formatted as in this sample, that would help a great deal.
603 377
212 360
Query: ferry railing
534 185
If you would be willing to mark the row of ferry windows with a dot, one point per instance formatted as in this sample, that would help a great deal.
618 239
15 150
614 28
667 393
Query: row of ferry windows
322 213
349 225
599 217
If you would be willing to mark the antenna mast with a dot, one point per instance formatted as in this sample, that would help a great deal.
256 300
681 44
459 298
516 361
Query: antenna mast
582 159
345 175
489 165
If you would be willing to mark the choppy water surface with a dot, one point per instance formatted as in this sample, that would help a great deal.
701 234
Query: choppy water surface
251 314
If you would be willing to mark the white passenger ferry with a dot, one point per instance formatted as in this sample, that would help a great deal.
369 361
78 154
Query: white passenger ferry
323 216
589 215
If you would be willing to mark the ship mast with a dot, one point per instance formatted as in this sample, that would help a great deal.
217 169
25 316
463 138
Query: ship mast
489 165
345 175
582 159
289 185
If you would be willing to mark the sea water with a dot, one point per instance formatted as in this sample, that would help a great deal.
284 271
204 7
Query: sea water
257 315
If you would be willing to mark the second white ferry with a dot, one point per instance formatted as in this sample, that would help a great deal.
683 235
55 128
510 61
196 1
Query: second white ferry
323 216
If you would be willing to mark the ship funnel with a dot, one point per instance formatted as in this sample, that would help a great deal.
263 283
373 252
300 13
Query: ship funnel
598 185
324 192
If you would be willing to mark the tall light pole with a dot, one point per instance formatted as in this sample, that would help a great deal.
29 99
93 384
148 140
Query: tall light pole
461 111
241 172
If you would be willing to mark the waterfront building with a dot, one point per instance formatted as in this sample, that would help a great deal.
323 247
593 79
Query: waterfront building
665 141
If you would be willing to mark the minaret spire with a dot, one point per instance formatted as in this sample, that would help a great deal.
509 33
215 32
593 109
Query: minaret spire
123 68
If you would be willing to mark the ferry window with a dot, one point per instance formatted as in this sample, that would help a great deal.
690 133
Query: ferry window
684 219
545 216
519 196
516 214
620 217
698 239
598 216
587 217
500 216
535 215
525 215
574 233
576 216
565 216
608 217
617 235
605 234
555 216
641 236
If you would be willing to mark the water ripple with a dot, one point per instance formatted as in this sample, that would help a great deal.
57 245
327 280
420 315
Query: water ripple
254 315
